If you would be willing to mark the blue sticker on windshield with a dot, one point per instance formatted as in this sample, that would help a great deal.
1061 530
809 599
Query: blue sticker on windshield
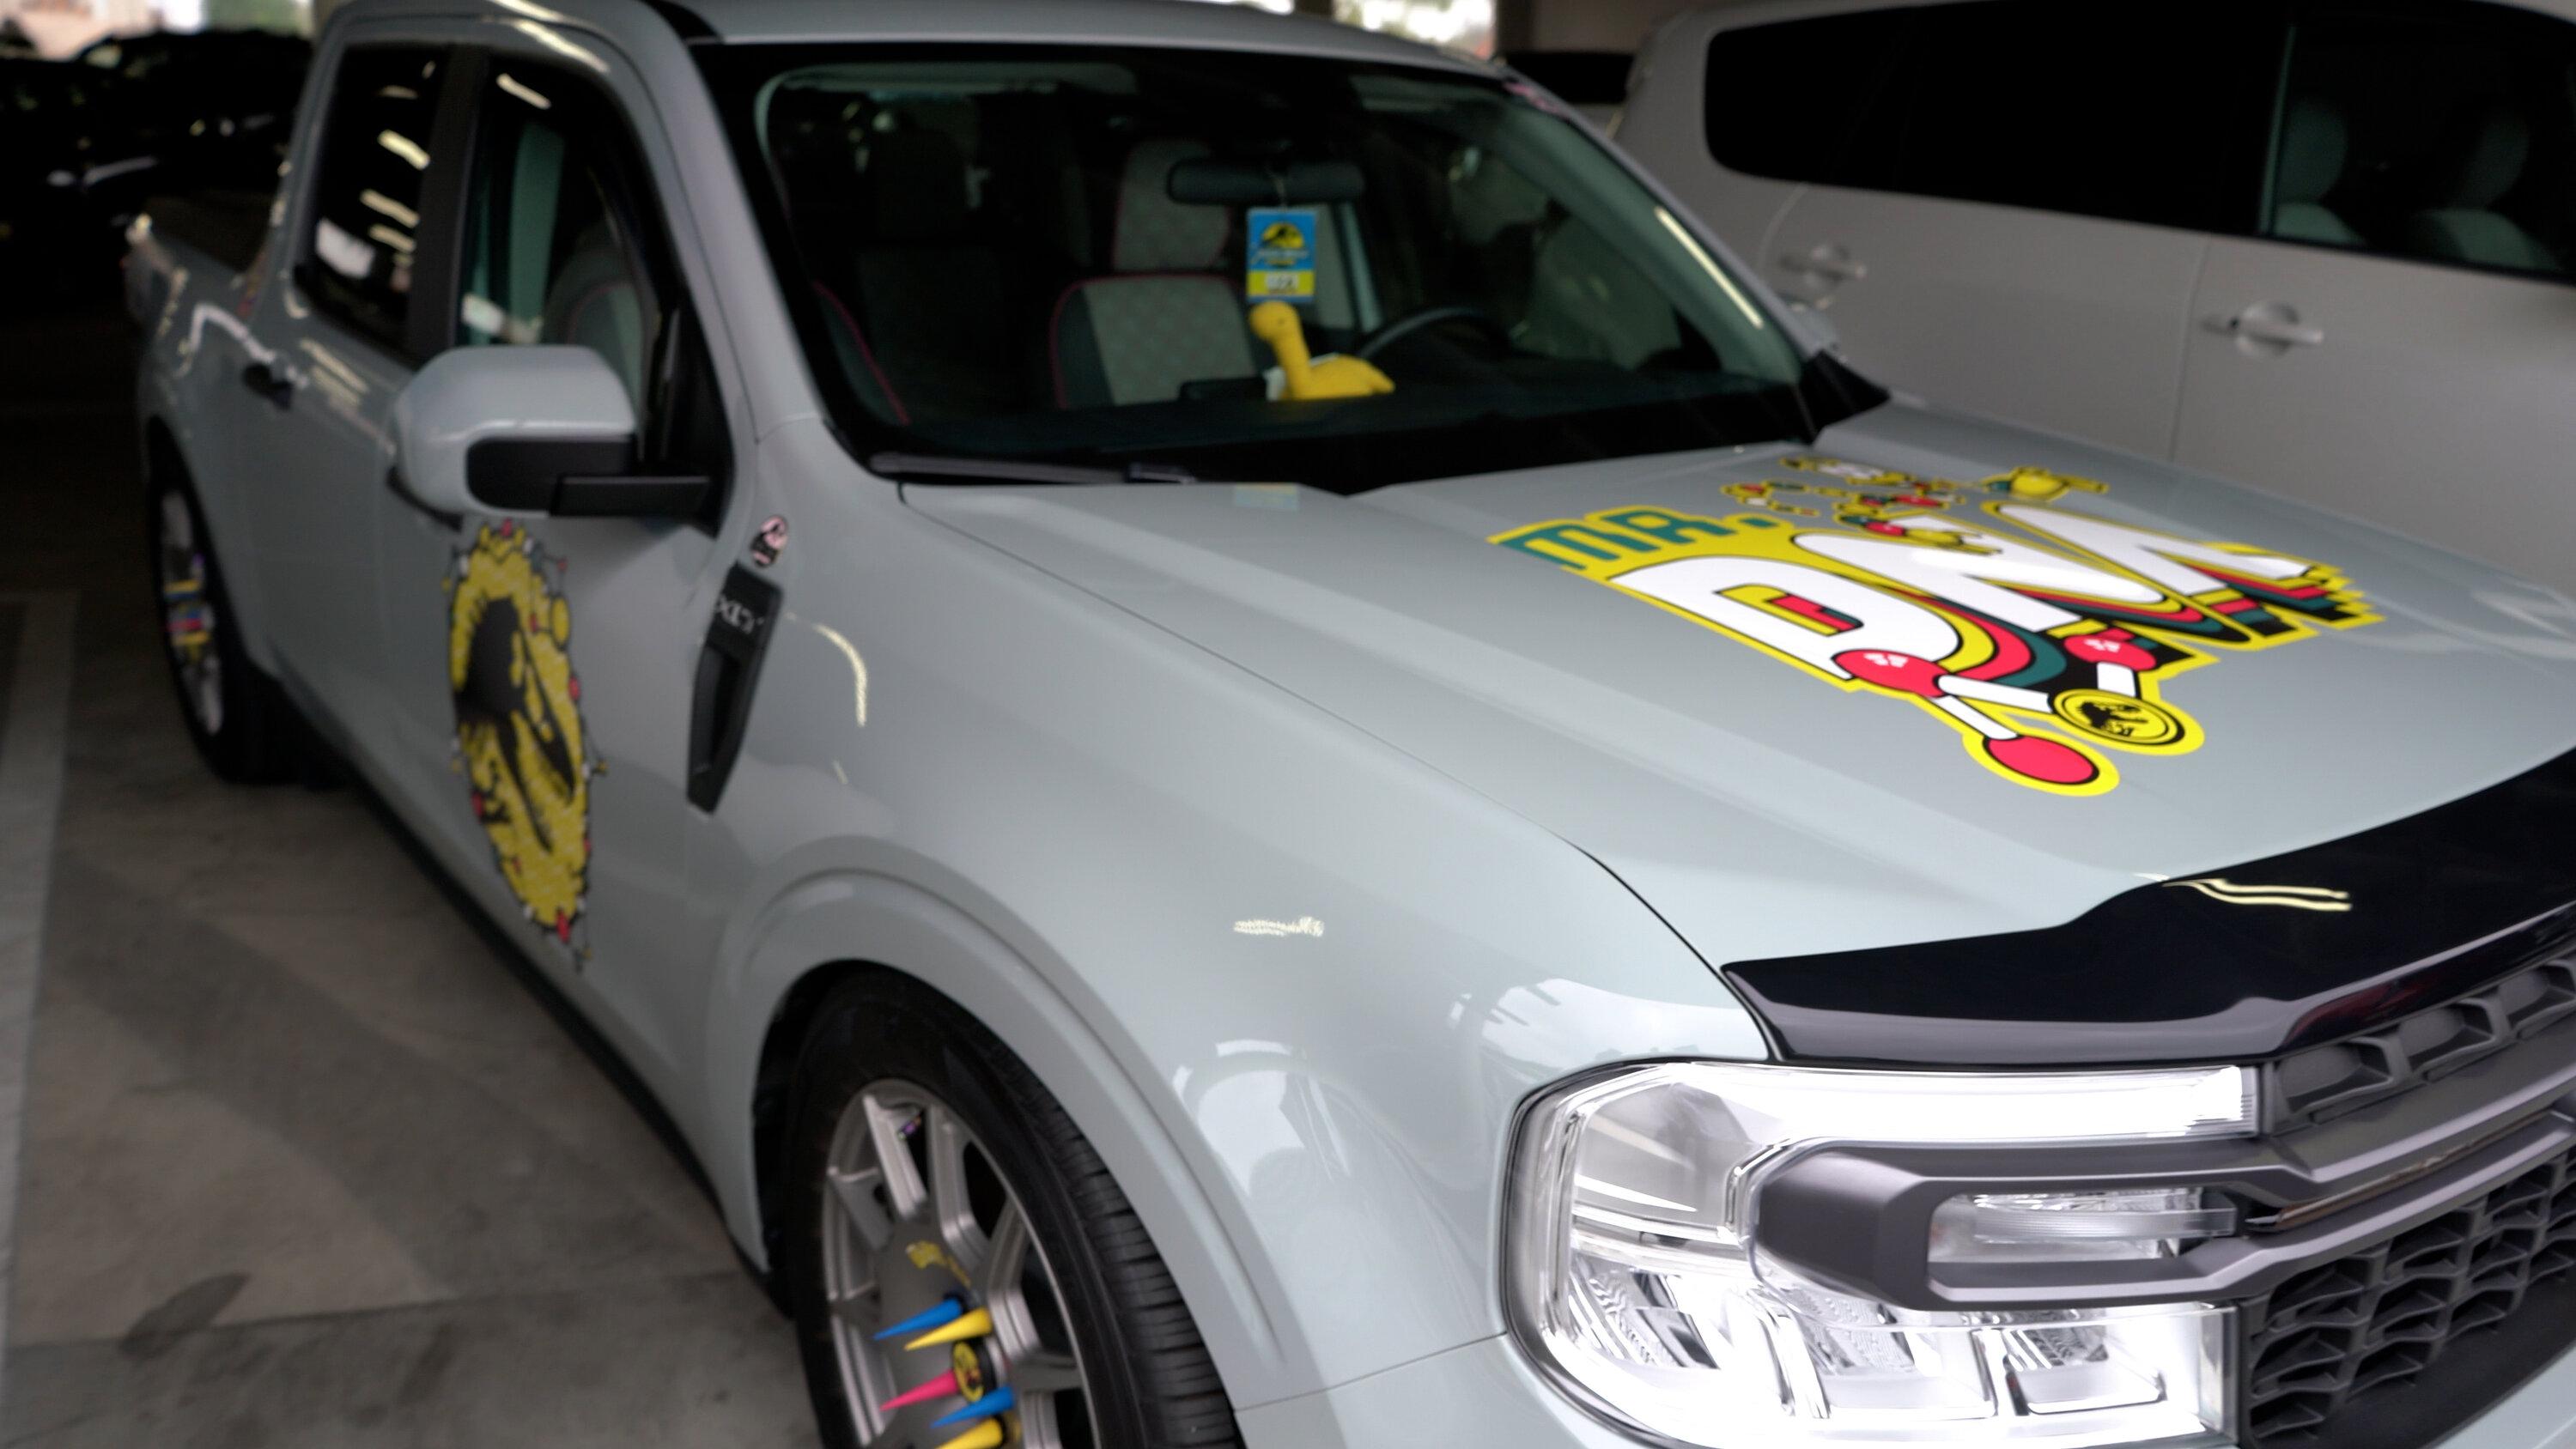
1280 261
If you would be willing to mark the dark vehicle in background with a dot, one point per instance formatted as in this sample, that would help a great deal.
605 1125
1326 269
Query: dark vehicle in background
86 143
214 106
68 169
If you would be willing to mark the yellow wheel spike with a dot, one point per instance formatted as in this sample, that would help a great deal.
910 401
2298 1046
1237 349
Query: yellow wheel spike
978 1324
986 1435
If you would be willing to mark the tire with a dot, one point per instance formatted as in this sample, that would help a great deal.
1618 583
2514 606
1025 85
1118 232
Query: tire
239 719
1090 1334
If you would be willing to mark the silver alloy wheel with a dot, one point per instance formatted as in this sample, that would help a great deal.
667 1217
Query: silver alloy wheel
915 1210
188 614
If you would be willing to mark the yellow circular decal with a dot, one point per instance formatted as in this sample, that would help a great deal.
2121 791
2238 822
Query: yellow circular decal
519 733
2118 719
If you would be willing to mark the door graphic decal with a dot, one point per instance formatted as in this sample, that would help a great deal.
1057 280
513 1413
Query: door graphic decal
2040 646
520 739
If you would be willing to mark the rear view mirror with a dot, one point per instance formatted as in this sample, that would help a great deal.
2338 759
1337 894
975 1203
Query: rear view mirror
1206 181
525 432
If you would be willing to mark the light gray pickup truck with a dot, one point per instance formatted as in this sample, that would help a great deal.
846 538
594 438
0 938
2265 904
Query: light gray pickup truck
1258 757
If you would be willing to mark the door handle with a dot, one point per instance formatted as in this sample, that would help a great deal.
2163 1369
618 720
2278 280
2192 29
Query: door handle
2269 329
1827 260
272 385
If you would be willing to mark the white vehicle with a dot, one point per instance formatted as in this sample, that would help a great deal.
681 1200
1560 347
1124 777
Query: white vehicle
2324 248
1503 853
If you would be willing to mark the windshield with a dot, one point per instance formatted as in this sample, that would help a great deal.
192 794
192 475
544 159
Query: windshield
1246 266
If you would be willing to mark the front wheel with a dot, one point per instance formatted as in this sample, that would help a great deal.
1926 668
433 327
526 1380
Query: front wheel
962 1268
236 715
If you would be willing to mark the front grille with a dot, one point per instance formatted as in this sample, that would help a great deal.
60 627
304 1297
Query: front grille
2325 1350
2324 1082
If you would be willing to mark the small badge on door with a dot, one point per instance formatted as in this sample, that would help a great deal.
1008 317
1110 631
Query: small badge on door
769 541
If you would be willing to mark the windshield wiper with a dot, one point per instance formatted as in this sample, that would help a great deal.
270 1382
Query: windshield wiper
1003 470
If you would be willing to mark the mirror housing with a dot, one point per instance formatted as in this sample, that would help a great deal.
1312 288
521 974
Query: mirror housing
527 432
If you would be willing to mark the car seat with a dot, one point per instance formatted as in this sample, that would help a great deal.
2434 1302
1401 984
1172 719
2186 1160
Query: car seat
596 301
2314 144
1168 314
2484 160
931 289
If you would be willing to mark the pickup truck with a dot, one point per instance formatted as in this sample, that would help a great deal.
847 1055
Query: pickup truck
1259 756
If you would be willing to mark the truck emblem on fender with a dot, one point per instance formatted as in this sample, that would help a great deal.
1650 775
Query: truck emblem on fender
2037 653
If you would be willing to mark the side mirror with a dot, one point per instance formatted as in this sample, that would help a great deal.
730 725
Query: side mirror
525 432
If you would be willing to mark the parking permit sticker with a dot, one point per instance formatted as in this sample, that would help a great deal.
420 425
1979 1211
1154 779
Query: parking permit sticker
1280 265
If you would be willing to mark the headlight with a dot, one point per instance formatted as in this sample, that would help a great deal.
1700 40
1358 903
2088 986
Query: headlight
1637 1275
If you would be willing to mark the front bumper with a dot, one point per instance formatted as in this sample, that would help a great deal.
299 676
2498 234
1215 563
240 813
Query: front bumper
1485 1395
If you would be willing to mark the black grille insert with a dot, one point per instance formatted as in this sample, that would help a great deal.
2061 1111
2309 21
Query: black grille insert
2321 1348
2325 1082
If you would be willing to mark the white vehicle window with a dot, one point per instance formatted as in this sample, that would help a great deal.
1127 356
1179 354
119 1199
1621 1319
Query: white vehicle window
367 193
2155 118
2443 132
1064 253
550 254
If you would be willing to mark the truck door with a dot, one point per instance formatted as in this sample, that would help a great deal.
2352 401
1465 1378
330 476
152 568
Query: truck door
330 342
543 670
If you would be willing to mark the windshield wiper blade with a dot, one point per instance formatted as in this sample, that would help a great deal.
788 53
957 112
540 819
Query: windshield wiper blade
1003 470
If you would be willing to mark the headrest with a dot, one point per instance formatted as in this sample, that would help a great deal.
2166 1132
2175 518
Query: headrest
1156 233
917 184
2486 155
2313 145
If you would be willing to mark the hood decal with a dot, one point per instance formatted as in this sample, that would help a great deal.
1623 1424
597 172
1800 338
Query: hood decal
2043 635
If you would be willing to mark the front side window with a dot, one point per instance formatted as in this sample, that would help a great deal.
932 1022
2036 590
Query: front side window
2443 132
550 253
367 194
1064 253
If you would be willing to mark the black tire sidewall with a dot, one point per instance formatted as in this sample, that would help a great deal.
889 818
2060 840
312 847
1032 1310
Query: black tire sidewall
875 1028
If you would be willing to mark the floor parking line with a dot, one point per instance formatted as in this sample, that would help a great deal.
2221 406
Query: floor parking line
33 714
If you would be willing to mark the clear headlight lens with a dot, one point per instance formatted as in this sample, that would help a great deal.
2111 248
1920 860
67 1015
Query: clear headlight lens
1637 1275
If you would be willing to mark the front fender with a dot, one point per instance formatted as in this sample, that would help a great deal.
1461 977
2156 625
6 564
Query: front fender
1293 983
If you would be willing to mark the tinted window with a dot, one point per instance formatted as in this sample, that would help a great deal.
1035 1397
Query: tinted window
1785 100
2155 116
2446 133
2063 108
367 195
551 248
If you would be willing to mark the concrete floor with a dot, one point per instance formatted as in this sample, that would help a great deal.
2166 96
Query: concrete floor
303 1162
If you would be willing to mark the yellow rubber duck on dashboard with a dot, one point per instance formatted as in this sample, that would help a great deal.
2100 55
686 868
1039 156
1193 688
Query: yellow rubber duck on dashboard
1302 376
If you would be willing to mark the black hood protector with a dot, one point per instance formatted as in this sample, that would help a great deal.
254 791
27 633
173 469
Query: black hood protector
2231 965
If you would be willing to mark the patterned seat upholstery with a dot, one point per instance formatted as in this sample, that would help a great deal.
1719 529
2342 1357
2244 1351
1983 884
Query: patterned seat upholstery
1168 315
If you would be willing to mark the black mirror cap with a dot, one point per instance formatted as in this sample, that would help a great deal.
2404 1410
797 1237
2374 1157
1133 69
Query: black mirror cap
577 478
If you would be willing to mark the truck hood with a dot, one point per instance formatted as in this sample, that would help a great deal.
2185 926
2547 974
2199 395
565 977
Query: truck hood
1933 678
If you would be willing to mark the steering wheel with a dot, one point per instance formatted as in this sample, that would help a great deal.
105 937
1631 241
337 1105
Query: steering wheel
1403 327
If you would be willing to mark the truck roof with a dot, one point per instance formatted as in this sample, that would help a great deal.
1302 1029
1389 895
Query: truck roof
1162 23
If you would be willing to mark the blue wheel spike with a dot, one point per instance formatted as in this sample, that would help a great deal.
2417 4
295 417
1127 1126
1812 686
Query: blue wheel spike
984 1408
946 1310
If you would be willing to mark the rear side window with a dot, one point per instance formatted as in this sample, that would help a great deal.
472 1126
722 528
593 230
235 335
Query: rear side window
2441 132
1785 100
2136 112
367 194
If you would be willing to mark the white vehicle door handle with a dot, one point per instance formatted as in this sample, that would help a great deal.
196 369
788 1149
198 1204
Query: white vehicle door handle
1826 260
2270 328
